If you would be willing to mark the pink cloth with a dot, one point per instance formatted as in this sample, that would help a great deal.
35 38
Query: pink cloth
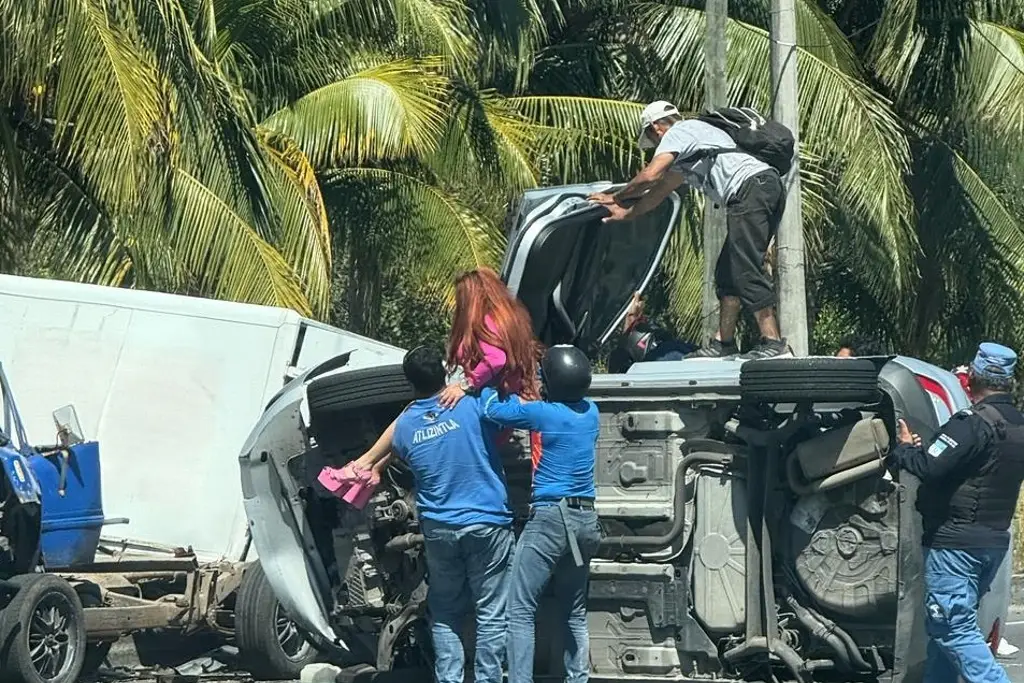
493 362
353 485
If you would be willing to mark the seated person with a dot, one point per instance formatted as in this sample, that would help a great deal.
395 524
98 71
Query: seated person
858 345
642 341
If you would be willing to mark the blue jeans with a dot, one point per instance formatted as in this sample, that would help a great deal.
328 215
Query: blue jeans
467 564
954 581
544 554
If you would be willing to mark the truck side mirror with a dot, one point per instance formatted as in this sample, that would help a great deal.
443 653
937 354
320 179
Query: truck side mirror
69 429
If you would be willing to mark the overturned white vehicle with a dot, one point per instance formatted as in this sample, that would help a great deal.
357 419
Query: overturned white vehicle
751 529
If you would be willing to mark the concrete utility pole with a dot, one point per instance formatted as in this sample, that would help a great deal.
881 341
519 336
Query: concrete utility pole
790 240
716 91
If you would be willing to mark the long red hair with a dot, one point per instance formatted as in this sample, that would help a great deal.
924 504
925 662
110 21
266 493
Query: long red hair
480 293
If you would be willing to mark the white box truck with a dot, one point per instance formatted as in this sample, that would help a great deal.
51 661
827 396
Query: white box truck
170 387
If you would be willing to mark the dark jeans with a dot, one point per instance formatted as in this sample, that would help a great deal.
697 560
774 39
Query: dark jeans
468 567
753 216
544 554
955 580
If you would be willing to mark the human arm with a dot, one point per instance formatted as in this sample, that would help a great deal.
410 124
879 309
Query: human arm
634 313
478 376
957 442
382 465
380 450
512 411
493 363
649 177
668 183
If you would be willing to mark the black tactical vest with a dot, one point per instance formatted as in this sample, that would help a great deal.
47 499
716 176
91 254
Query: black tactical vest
988 495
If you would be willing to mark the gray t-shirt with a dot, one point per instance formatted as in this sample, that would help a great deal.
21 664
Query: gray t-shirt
718 176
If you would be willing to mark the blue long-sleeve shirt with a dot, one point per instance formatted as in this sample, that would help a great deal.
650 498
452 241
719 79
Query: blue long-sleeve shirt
564 467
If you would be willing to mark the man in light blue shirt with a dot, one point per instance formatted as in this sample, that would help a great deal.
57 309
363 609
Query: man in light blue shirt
464 514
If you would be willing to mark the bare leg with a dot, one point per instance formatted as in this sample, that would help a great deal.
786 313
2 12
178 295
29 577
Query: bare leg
728 316
768 323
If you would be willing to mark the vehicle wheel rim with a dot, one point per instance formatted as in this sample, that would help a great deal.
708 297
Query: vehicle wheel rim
293 644
52 642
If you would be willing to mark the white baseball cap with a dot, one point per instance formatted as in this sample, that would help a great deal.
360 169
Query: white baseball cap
655 111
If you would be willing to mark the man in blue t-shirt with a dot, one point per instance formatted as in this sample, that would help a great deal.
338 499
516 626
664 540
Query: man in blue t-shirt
563 532
464 514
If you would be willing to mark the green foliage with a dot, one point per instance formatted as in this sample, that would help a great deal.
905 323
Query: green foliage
347 157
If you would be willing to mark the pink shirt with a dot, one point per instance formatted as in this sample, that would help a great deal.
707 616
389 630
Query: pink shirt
493 362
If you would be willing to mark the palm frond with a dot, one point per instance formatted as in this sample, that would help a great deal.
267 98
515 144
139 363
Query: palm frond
107 100
304 236
388 111
225 253
457 238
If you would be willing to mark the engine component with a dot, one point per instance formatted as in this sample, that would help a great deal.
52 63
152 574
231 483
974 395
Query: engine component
843 448
720 546
843 546
362 582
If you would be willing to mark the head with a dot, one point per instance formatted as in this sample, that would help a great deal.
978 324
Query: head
424 368
655 120
991 371
480 293
857 345
565 373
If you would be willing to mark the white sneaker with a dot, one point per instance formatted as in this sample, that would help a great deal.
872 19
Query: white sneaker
1005 649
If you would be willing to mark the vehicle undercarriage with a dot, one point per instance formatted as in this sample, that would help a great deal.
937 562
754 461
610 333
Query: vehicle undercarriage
748 535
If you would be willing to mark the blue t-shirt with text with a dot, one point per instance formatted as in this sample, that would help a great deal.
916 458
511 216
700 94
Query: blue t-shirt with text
459 476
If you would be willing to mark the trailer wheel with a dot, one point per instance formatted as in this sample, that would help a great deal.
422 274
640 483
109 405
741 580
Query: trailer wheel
42 632
270 646
816 380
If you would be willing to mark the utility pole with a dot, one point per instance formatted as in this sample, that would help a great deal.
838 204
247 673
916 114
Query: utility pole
790 240
716 91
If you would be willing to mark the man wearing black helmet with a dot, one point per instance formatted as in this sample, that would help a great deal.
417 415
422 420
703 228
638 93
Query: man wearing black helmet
563 532
642 341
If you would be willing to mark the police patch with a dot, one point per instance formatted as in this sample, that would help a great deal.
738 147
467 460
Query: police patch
949 440
937 448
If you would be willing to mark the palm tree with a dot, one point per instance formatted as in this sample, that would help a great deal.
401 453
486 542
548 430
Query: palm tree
132 158
906 169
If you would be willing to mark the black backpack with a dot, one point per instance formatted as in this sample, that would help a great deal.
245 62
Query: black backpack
761 138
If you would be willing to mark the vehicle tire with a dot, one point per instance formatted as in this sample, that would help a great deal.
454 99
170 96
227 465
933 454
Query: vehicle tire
358 389
816 379
46 612
270 646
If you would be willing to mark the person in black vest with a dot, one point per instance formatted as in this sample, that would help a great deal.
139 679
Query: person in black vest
970 477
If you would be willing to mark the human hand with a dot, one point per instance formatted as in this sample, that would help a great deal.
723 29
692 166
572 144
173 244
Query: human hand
634 312
907 437
451 395
617 213
602 198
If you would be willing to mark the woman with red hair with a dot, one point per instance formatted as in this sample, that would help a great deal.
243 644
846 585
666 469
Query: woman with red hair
491 339
492 342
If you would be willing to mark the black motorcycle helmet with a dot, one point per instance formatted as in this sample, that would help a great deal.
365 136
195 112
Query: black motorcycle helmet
642 340
565 373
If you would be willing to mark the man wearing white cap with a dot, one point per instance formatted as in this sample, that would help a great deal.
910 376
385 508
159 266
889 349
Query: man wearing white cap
706 158
970 478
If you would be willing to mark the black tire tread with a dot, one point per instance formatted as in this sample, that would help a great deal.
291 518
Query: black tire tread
815 379
15 661
358 388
